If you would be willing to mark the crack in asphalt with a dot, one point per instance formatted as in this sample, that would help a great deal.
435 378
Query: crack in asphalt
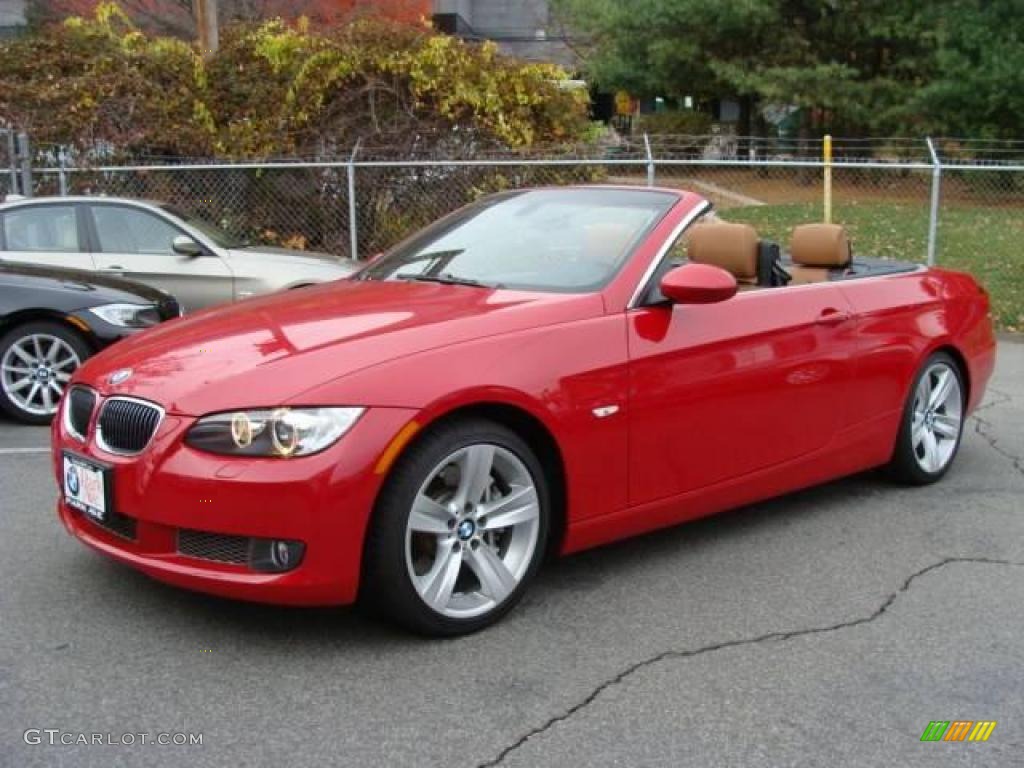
983 427
768 637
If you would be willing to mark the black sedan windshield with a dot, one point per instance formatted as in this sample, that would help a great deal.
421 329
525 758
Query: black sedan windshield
561 240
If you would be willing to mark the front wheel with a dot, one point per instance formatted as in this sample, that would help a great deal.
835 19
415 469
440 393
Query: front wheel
933 422
36 362
459 530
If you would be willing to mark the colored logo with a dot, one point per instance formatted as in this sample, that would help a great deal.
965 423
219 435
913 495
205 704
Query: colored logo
119 376
466 529
72 481
958 730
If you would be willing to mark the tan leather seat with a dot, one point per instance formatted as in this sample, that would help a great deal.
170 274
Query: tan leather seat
733 247
816 250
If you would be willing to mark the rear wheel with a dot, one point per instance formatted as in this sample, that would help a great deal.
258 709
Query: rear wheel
933 420
36 362
459 530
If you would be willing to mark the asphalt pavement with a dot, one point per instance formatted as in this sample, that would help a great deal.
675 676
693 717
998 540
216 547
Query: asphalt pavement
826 628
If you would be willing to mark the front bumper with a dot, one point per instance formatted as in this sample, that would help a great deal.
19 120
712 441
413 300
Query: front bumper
323 500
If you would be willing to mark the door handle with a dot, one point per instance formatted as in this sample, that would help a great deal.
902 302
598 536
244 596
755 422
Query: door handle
832 316
113 268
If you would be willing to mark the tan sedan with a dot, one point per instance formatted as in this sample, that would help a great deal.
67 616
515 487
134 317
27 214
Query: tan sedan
158 245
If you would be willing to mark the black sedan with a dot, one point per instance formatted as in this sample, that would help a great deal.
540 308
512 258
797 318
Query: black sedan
52 319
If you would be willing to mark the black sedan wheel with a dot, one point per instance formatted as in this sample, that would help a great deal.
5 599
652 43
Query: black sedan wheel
36 362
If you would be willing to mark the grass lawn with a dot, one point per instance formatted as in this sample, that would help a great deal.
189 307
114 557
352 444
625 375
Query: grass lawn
985 241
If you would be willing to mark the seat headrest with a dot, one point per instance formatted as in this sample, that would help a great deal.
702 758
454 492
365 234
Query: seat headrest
820 245
733 247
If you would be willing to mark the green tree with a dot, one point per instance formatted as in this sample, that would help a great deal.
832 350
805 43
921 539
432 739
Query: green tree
856 63
977 88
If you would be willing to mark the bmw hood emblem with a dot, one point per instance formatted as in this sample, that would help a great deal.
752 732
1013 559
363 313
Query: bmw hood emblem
117 377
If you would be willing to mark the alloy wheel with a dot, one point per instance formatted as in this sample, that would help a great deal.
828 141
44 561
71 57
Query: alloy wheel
35 371
938 417
472 531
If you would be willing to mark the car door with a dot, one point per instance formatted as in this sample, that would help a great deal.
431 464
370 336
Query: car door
719 391
138 244
47 235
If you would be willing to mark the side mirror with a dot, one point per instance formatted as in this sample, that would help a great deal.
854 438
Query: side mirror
698 284
186 246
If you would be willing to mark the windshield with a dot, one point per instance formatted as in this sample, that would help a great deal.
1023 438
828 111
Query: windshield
560 240
211 231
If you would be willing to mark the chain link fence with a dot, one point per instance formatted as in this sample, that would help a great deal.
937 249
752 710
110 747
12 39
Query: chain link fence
951 203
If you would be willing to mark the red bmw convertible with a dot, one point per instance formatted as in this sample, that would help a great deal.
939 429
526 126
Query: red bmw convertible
539 372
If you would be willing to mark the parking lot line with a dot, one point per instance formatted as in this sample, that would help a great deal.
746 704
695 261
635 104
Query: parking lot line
29 450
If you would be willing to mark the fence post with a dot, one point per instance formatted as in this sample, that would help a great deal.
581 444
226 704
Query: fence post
933 215
650 161
62 174
353 223
827 148
12 161
26 164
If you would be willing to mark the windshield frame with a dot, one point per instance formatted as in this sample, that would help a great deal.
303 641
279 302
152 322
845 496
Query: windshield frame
391 260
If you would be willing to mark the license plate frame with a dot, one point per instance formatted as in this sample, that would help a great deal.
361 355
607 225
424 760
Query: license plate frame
87 486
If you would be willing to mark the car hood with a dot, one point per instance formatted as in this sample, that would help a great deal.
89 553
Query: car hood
268 351
95 288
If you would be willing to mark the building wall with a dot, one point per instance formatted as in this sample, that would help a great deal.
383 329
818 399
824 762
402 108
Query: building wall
12 17
521 28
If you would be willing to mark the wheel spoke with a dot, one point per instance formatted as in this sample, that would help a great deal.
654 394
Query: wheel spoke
441 580
47 398
917 430
942 389
23 354
924 392
519 506
16 369
37 347
428 516
32 392
20 384
475 476
55 347
946 426
931 451
495 578
71 360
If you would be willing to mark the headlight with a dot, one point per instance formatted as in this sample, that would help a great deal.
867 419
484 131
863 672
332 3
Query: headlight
279 432
128 315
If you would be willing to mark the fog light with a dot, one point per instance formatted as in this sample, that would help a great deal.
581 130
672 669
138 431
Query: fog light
276 555
281 554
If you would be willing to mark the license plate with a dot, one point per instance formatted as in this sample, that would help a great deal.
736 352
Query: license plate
87 487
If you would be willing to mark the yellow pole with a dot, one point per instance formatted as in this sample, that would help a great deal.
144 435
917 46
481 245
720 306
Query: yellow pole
828 179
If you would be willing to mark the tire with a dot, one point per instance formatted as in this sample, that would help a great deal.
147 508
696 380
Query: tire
932 424
457 565
65 345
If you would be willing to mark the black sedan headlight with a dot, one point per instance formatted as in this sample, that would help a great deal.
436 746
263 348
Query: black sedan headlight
278 432
128 315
